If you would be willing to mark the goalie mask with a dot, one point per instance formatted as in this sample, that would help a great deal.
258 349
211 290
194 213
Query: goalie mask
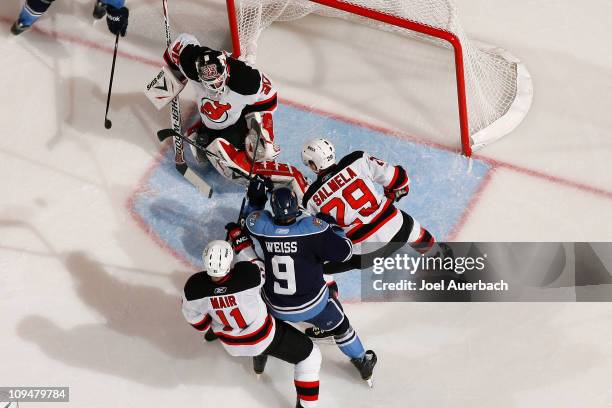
213 71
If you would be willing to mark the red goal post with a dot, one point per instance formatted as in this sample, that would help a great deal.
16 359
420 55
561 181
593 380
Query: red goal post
506 122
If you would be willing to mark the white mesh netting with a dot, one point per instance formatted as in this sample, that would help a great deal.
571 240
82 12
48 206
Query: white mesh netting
498 86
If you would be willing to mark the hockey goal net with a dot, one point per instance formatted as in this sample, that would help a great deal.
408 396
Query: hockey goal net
494 89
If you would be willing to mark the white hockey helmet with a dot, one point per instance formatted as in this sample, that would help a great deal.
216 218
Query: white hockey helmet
318 154
217 257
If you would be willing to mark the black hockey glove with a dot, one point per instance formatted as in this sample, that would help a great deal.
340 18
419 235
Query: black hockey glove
238 237
117 19
257 193
397 195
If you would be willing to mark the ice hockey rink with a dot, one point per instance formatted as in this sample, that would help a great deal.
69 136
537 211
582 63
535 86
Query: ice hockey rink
98 235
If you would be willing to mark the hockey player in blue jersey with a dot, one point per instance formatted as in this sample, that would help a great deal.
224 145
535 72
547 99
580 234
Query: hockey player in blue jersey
116 15
295 246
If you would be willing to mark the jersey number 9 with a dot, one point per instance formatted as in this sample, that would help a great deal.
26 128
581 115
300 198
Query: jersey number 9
284 270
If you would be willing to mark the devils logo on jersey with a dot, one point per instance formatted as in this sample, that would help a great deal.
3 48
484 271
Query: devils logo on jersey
215 110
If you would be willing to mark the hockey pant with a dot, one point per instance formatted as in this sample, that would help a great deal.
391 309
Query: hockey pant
411 232
293 346
332 319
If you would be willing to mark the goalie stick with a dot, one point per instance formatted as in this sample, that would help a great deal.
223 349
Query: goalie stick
255 125
164 134
175 117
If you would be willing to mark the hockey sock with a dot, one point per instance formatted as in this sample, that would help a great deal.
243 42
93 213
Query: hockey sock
32 10
306 378
350 344
424 243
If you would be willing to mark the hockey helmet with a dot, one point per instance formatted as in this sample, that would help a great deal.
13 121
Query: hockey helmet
318 154
217 257
212 70
284 204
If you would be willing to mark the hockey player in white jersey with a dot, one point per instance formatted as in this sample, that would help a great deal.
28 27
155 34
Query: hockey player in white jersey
232 97
227 298
347 191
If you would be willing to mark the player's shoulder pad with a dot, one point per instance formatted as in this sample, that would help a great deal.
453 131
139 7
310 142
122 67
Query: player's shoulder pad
309 225
260 222
350 158
188 59
198 286
243 78
246 275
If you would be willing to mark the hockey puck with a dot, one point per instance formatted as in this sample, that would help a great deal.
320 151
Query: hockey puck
108 124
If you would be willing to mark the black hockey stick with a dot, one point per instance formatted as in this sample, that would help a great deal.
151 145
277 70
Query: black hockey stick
107 122
257 127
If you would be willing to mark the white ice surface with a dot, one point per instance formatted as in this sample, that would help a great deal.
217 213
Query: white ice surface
88 300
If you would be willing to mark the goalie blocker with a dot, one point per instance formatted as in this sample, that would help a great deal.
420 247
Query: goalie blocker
163 88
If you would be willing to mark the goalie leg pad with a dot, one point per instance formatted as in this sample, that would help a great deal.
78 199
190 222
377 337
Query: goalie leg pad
283 175
230 162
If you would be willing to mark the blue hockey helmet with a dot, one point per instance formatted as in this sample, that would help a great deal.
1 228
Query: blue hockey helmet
284 204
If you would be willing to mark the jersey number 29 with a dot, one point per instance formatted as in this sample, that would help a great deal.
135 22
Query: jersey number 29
364 204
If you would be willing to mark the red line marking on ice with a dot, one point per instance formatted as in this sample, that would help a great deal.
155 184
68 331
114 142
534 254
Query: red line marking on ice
452 235
85 43
382 129
549 177
130 205
494 163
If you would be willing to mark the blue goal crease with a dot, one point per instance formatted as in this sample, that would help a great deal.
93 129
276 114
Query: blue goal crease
442 185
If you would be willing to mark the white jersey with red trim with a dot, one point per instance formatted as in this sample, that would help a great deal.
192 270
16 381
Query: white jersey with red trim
348 192
247 90
233 307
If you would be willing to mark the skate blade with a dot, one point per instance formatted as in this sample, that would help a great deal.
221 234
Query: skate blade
370 382
258 376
